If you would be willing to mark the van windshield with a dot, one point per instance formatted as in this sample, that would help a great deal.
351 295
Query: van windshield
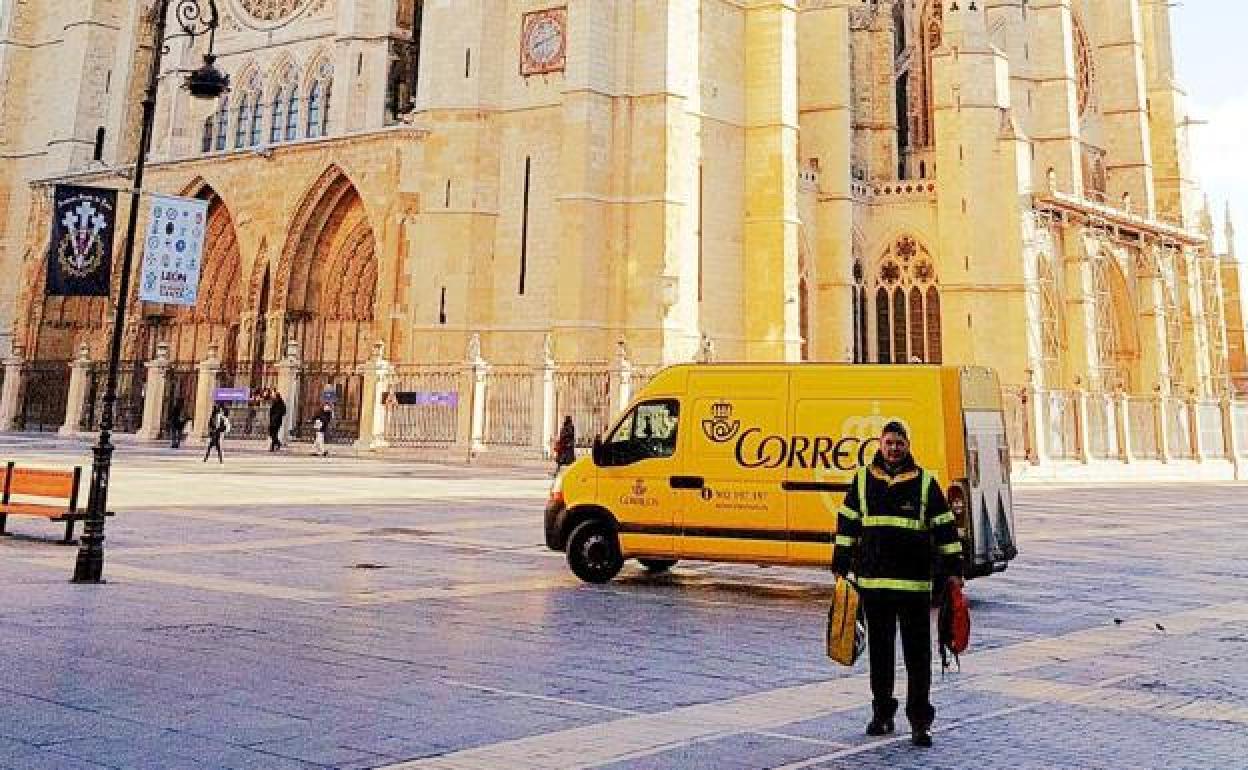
648 431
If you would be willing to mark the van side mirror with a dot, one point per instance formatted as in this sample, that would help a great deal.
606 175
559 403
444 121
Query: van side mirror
599 452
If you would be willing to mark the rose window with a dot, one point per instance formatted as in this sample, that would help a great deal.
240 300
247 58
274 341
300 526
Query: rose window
272 10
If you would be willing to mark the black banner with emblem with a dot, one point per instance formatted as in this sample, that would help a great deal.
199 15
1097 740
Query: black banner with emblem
80 255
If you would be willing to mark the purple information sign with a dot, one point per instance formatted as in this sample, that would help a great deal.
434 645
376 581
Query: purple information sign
231 394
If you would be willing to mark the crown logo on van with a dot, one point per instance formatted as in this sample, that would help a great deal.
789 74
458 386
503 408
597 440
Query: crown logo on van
721 428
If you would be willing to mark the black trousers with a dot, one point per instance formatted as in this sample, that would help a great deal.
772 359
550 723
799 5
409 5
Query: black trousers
274 442
885 611
214 440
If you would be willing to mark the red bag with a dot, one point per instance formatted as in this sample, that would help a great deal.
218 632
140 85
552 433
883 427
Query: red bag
953 625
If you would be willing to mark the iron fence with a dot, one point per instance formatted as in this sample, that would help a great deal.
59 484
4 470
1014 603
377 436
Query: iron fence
1142 418
1178 429
181 382
1239 418
128 409
583 393
422 405
1014 403
42 397
509 407
249 419
1209 421
339 384
1061 419
1102 428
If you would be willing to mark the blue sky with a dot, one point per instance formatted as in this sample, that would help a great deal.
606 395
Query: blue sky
1208 45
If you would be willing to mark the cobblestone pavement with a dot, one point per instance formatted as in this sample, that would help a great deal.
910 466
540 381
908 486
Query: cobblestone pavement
293 612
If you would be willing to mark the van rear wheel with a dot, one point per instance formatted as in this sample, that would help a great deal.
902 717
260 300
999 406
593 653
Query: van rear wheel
657 565
594 552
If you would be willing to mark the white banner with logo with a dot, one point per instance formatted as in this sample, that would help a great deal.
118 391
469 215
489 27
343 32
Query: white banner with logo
173 250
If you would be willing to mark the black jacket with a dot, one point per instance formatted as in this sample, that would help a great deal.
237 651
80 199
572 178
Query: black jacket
888 536
277 411
325 416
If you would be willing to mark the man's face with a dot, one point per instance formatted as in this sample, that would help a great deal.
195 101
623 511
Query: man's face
894 446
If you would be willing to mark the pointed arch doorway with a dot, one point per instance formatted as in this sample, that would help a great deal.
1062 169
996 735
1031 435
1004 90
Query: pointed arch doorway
327 282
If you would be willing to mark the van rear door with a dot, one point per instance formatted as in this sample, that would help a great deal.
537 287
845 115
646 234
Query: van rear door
990 510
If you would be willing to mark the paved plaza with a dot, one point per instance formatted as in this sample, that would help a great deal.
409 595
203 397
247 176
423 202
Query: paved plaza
293 612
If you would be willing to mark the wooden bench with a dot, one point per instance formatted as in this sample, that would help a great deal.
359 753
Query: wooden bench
55 496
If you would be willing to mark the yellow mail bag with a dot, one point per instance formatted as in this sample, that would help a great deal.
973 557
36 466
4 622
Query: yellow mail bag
847 627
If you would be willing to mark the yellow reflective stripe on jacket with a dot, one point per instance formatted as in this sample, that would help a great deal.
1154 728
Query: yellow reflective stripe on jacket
849 513
944 518
894 584
846 540
862 490
901 522
950 548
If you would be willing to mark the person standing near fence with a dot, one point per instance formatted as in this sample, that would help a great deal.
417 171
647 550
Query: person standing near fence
277 416
218 426
176 424
565 444
320 424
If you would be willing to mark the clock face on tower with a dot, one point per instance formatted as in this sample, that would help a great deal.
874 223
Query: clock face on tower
544 41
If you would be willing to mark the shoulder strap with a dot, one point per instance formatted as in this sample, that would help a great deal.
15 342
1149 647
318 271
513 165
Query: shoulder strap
926 482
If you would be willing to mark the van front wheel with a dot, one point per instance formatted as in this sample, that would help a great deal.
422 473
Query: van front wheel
657 565
594 552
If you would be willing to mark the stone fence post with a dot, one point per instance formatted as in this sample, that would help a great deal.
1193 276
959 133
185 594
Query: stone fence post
205 386
544 400
154 394
79 371
9 394
1037 417
372 411
470 434
1081 425
1160 415
621 384
1124 426
288 371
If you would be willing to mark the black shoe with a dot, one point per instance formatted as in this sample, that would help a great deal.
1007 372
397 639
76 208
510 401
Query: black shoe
879 727
921 736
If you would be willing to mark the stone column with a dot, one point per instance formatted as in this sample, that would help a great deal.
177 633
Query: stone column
154 394
544 418
12 389
79 371
1193 429
621 380
1230 441
1160 413
471 430
1033 409
205 385
372 411
1081 425
1124 107
1124 427
288 370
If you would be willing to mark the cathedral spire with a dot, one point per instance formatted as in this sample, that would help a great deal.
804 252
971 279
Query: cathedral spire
1230 233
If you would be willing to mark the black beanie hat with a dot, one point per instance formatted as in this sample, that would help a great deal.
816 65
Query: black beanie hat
896 427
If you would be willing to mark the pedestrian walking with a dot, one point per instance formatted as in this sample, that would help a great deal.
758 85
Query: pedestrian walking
320 424
894 520
176 424
565 444
218 426
277 416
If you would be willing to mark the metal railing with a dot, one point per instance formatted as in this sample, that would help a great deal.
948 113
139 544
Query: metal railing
1179 430
509 407
422 405
1209 421
1239 423
585 394
181 382
131 390
43 396
1061 419
1014 401
250 420
339 384
1142 419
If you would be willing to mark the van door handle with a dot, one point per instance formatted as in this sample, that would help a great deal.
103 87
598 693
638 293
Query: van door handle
688 482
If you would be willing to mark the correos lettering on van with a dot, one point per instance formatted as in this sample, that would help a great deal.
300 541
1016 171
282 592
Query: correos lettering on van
755 449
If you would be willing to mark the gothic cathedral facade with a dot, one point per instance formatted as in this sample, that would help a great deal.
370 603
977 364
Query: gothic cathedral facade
1004 182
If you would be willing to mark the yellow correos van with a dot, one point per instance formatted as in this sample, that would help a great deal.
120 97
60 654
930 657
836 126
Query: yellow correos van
749 463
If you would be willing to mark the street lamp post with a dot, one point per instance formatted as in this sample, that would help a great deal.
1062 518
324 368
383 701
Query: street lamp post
195 18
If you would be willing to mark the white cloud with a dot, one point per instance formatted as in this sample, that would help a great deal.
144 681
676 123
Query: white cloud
1220 156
